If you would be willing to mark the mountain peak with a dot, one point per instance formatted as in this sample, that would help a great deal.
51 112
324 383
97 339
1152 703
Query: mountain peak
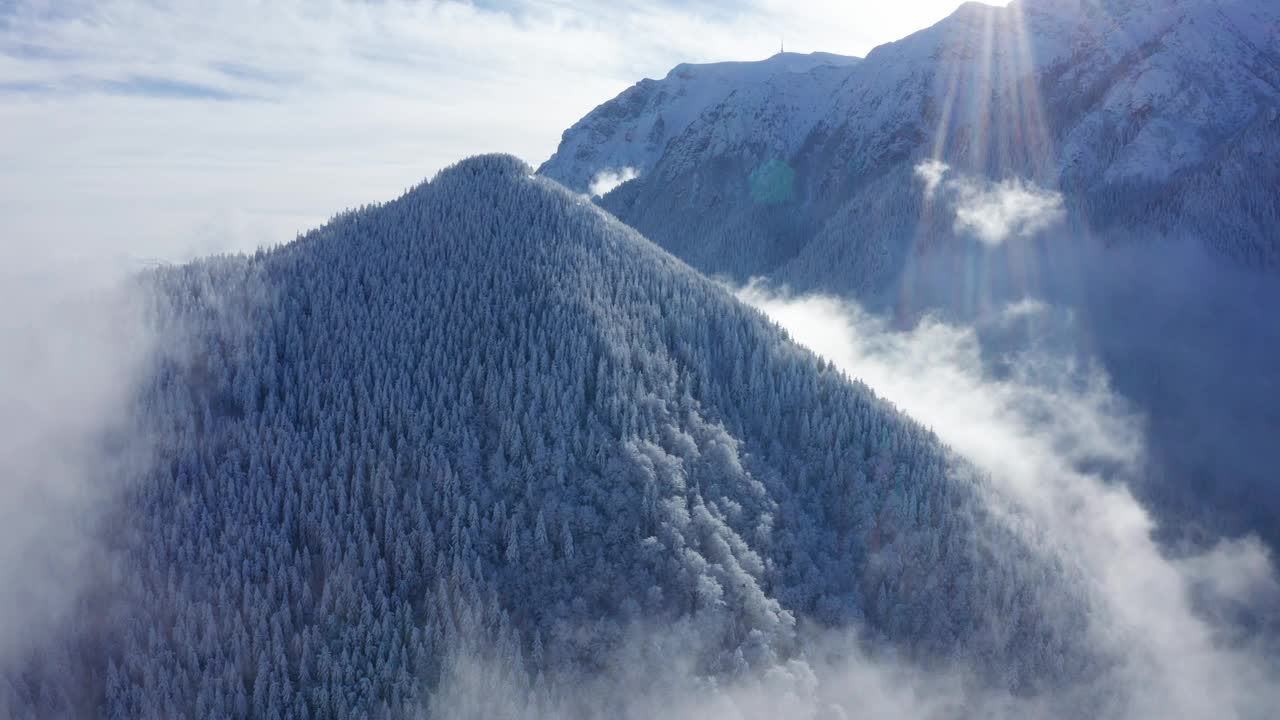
495 165
1030 90
496 413
634 129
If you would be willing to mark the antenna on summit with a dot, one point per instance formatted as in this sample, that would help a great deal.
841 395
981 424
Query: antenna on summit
782 47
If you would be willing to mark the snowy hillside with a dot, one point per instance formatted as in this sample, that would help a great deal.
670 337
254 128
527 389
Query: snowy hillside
1130 109
487 422
1119 158
632 130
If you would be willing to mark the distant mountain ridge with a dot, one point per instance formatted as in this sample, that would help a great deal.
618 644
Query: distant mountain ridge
1143 114
633 130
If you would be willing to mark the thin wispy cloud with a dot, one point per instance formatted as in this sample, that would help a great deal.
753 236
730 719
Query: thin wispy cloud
132 126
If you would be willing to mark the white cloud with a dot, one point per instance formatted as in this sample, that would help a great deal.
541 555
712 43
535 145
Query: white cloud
931 172
1012 207
606 180
993 212
1024 308
1056 441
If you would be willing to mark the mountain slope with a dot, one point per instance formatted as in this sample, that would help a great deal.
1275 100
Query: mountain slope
486 418
632 130
1133 110
1146 133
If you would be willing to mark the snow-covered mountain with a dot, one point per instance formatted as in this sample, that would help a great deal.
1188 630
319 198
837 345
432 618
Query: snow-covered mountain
1119 158
487 421
631 131
1155 114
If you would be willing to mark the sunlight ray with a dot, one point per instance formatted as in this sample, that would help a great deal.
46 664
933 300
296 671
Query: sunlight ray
982 95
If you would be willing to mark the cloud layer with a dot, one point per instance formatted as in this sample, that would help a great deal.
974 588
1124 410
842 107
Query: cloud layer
68 361
1056 441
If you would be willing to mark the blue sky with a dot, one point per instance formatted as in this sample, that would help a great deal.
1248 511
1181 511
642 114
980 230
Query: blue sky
168 128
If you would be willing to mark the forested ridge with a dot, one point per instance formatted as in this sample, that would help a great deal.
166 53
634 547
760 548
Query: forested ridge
488 420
